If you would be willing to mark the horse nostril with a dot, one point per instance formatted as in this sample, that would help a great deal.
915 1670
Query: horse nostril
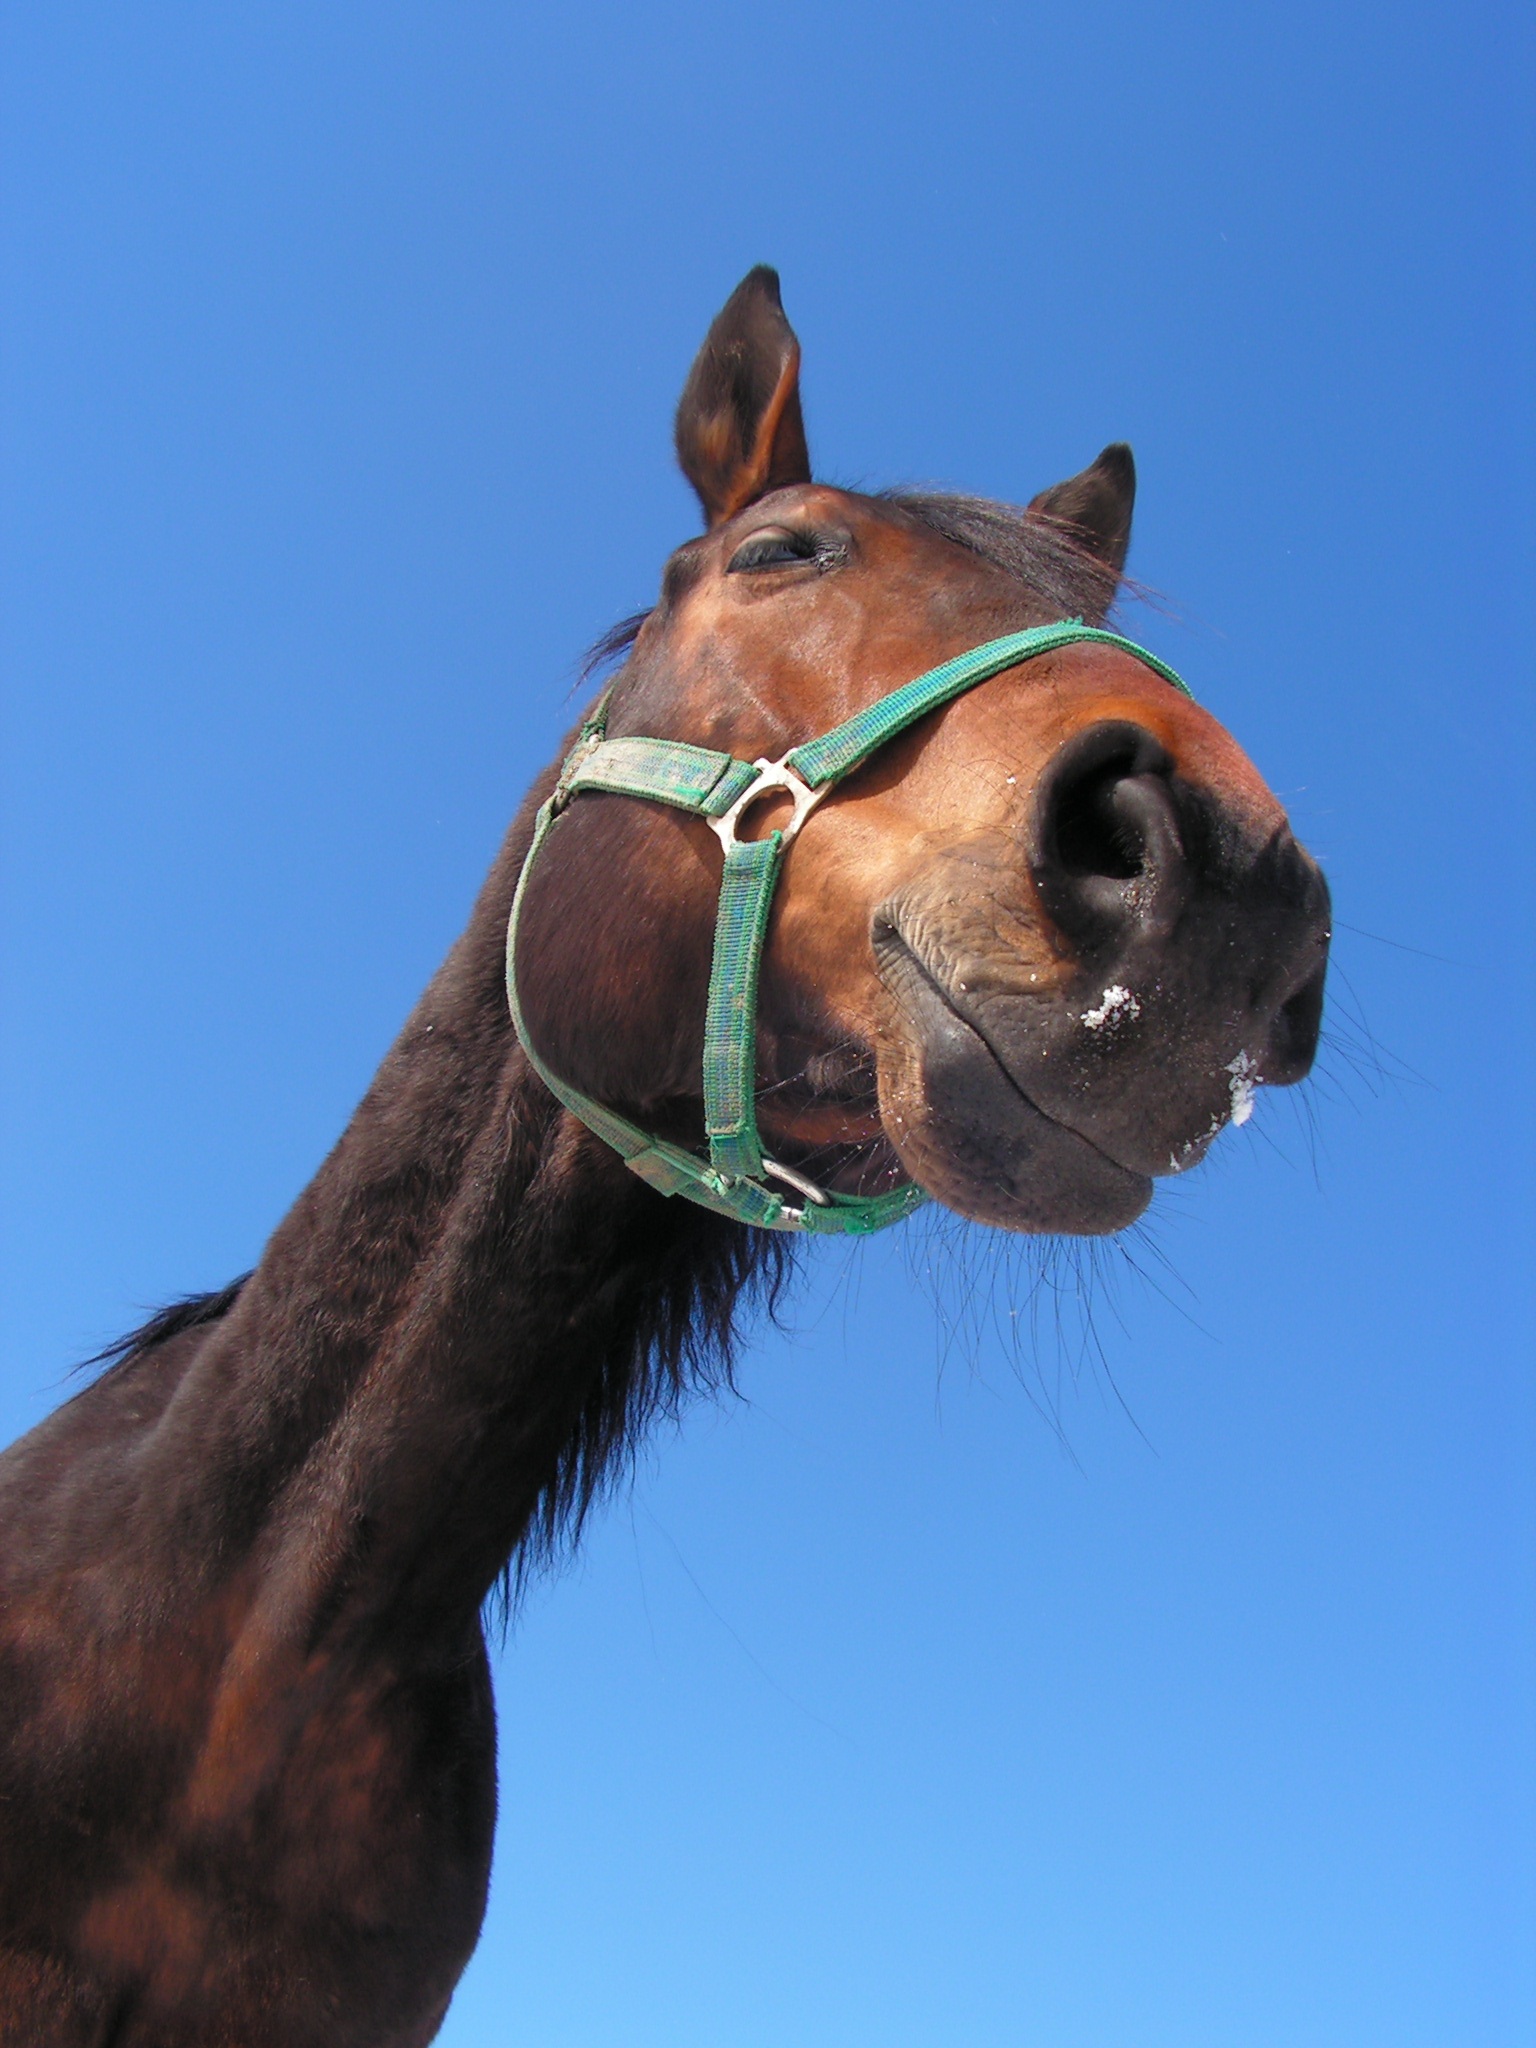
1094 835
1111 852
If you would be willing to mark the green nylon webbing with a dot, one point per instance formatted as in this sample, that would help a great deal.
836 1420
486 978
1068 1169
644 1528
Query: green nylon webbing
838 752
706 783
693 778
730 1013
668 1168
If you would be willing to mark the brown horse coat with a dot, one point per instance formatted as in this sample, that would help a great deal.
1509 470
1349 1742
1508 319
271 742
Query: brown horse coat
247 1783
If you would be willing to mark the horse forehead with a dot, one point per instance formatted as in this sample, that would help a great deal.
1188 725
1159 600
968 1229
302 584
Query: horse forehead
886 542
809 665
905 600
814 502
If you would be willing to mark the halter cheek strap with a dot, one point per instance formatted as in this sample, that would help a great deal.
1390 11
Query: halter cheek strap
719 788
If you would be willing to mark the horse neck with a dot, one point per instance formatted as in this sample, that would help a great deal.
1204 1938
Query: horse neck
451 1335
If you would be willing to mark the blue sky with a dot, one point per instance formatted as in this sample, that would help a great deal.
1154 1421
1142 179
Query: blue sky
1145 1658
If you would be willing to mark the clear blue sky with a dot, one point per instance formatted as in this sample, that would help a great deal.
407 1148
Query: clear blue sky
1175 1691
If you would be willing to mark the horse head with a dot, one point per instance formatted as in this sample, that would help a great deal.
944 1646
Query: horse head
1034 952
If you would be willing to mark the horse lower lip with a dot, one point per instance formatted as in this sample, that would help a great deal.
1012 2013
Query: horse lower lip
897 956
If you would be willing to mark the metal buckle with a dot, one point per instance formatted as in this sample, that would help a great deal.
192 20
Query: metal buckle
798 1182
771 775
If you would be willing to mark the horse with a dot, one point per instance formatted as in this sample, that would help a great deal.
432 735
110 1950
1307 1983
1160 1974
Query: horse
883 871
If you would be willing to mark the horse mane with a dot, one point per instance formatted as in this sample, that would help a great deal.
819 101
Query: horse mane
190 1312
675 1334
681 1296
1035 549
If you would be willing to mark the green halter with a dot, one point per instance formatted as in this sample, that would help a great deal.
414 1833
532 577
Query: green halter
721 788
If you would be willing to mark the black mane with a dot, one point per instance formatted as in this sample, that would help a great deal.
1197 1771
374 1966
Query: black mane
191 1312
683 1293
1038 551
676 1335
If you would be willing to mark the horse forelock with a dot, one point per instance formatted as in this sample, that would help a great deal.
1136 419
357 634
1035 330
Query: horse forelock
1042 553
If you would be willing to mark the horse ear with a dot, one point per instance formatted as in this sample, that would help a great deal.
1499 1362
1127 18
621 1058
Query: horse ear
739 431
1095 506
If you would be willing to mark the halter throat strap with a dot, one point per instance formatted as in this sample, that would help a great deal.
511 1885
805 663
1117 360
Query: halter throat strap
734 1181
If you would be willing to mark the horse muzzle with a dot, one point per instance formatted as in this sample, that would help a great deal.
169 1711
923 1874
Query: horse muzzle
1149 956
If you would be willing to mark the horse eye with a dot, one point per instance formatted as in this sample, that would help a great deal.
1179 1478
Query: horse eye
775 547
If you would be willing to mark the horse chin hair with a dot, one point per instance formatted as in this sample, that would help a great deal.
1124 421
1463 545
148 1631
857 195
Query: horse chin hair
1040 1307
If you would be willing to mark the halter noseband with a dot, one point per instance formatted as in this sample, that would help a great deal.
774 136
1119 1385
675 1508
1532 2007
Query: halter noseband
721 789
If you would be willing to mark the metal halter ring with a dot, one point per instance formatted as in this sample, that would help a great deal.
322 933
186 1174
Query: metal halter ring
771 775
